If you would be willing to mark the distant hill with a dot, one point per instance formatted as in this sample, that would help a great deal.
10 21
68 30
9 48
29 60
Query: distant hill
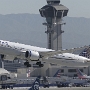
77 32
28 29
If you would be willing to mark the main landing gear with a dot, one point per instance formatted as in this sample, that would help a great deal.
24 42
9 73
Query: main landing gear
40 64
37 63
27 64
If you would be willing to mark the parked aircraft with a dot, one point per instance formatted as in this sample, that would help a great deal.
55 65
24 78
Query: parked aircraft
36 84
57 74
82 75
85 53
11 50
58 77
5 75
46 80
6 79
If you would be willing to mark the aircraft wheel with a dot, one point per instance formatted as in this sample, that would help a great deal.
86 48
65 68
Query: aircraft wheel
28 65
38 63
41 65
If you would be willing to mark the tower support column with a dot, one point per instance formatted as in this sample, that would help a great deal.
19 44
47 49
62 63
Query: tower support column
54 12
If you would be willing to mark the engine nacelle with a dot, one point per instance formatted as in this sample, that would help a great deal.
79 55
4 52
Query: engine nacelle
32 55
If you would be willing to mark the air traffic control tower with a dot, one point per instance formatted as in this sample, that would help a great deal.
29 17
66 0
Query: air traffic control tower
54 12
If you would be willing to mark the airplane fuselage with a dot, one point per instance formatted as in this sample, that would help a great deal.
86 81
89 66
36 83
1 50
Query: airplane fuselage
18 50
69 59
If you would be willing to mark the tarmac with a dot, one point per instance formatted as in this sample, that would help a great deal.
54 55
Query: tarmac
64 88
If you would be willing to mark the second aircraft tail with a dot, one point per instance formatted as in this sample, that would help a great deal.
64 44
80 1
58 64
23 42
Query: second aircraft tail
36 84
80 74
85 53
57 74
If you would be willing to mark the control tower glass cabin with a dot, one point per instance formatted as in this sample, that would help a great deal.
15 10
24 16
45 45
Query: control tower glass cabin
54 12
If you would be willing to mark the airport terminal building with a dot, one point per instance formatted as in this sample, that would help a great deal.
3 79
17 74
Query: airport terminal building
48 69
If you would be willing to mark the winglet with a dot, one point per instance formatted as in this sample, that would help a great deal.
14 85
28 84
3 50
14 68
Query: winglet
80 74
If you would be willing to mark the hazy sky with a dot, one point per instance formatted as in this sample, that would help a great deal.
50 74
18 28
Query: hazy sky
77 8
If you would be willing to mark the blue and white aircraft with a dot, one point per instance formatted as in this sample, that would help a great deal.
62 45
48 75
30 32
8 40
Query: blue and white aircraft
11 50
36 84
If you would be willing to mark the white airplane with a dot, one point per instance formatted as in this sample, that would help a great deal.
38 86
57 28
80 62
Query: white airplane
69 59
11 50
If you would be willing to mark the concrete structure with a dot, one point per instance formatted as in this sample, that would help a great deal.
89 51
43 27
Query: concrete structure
67 71
54 12
50 70
47 70
13 66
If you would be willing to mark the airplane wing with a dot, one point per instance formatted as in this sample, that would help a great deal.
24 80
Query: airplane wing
8 50
51 53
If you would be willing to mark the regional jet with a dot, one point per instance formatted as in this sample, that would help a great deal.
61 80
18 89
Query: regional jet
11 50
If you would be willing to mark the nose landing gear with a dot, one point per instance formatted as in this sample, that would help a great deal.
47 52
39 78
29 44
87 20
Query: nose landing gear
37 63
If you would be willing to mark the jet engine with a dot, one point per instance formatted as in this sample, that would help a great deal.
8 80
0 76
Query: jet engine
32 55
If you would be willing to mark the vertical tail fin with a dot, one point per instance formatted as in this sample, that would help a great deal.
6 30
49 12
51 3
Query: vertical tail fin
57 74
36 84
80 74
85 53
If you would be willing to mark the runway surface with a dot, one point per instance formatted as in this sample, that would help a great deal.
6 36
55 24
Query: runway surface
64 88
